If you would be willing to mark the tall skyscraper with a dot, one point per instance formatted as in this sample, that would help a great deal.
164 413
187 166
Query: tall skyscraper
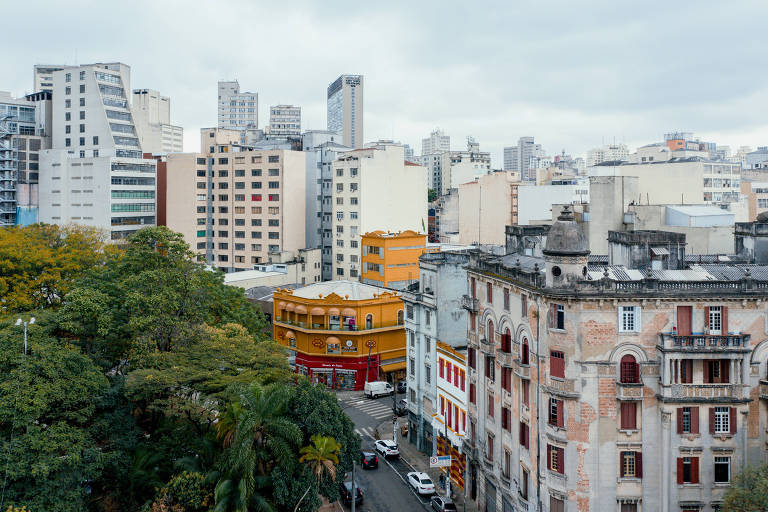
518 158
95 174
152 115
437 142
237 110
345 109
284 120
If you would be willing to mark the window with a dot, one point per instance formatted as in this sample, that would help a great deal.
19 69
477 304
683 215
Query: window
506 379
273 159
82 141
716 371
722 469
489 448
629 319
686 371
525 390
95 140
82 128
557 316
631 464
67 129
490 368
274 197
255 172
557 364
628 415
471 358
472 393
82 102
556 416
506 341
82 88
67 90
722 420
506 419
507 459
427 373
524 483
506 299
524 306
687 470
687 420
556 459
713 320
525 435
490 293
489 334
524 352
556 504
629 507
629 370
490 405
427 317
82 114
412 366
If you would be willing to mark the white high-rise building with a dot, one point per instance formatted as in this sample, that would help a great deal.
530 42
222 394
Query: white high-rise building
518 158
43 77
372 189
437 142
608 153
95 174
284 120
345 109
237 110
152 115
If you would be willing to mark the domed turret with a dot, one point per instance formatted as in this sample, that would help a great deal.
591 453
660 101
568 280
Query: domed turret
566 251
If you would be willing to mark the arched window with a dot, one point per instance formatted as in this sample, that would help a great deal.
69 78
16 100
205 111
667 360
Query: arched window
524 356
369 321
506 341
489 334
630 373
400 317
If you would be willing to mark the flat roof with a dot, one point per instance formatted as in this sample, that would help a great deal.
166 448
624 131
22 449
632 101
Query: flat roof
352 290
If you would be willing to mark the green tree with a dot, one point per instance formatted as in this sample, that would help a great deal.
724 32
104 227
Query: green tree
321 457
431 195
50 455
39 263
264 439
748 491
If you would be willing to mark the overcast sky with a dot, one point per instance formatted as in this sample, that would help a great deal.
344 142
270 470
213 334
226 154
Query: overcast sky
570 75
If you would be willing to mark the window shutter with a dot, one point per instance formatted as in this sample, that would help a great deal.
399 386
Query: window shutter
549 457
442 370
620 323
680 420
725 370
724 320
706 317
694 420
694 470
679 470
711 420
638 319
705 362
622 456
561 460
560 415
639 464
732 421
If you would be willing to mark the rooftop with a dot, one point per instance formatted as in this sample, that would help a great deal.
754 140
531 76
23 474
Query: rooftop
349 290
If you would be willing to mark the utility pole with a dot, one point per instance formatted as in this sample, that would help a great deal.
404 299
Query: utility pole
394 414
448 471
19 321
354 487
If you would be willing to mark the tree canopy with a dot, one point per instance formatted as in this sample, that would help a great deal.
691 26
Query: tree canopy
748 491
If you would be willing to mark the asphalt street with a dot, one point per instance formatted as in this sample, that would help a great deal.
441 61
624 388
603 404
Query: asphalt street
385 488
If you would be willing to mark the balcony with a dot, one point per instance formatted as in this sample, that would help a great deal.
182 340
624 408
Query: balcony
470 303
629 391
488 341
705 342
522 370
523 503
696 392
565 388
320 328
764 389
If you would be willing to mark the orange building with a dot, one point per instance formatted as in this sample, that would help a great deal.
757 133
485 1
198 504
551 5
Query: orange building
391 260
342 333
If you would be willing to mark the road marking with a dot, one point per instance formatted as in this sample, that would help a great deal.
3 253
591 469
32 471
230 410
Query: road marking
410 488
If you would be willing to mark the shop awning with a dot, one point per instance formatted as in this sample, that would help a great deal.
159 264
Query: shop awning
332 339
290 306
391 367
302 310
281 305
348 312
317 311
660 251
290 335
333 311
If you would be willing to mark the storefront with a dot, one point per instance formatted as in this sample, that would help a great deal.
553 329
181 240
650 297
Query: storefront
339 373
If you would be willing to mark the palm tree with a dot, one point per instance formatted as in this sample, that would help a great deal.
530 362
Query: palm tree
321 457
262 436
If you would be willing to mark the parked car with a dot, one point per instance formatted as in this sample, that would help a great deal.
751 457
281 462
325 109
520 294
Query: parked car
421 482
369 460
402 386
377 388
387 448
442 504
345 491
402 407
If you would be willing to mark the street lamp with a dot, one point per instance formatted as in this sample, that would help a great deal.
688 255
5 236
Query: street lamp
19 321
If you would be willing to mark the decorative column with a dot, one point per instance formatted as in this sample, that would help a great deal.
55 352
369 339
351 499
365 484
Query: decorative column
666 441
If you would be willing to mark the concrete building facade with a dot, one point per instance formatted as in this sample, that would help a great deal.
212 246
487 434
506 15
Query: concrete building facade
237 110
235 205
391 260
372 189
285 120
346 108
518 158
152 116
618 388
607 153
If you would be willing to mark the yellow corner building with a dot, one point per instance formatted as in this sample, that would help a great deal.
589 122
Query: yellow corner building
342 333
391 260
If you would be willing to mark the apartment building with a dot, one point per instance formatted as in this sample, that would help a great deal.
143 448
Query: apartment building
345 109
42 79
437 142
152 116
450 421
341 334
237 110
518 158
94 173
372 188
235 205
391 260
613 388
607 153
285 120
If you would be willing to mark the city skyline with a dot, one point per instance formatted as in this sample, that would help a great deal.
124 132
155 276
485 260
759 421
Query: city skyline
596 76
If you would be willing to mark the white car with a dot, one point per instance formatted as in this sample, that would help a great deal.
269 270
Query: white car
421 483
387 448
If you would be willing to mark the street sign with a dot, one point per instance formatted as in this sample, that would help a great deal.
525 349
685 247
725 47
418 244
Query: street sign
441 461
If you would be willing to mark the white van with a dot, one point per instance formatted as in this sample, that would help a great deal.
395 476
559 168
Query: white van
378 388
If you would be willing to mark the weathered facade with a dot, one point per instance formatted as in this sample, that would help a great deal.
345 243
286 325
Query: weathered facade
611 388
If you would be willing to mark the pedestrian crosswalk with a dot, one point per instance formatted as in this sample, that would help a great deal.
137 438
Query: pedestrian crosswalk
378 409
365 433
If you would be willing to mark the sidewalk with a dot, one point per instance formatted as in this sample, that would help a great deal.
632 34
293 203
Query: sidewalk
420 462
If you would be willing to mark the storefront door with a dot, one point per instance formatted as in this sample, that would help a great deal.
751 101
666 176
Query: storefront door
345 380
322 376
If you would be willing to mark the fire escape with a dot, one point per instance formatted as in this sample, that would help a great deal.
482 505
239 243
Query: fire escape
8 172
